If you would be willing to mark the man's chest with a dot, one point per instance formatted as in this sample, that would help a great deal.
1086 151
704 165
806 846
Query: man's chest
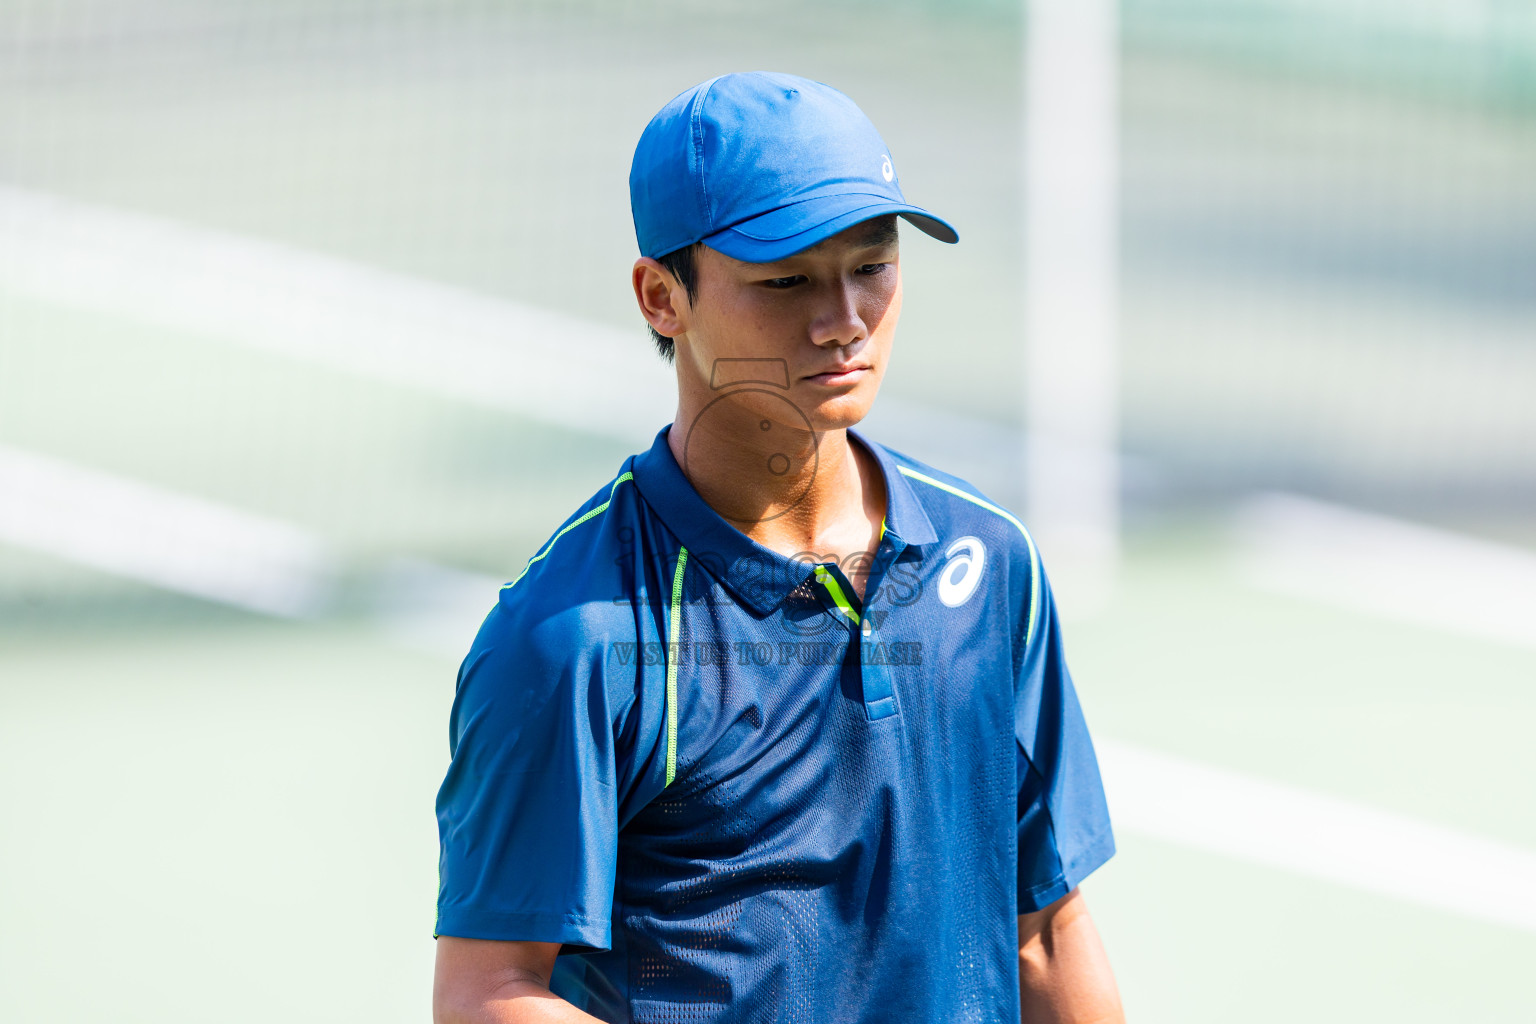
812 725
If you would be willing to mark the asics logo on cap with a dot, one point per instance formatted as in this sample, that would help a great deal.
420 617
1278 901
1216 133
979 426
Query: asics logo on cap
886 170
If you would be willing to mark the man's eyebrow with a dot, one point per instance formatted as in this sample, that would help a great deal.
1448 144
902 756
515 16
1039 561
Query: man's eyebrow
882 232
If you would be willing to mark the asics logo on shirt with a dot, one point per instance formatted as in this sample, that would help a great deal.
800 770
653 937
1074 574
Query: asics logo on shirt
966 559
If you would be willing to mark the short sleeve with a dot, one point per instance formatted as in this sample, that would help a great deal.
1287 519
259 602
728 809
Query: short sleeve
1063 820
527 814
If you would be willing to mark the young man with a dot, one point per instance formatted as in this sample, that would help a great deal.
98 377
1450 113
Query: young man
776 727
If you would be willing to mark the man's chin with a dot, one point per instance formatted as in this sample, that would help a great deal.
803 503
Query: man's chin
840 412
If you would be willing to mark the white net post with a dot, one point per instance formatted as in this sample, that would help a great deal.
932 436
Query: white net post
1071 255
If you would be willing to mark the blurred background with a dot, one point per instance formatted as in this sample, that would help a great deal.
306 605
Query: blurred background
315 323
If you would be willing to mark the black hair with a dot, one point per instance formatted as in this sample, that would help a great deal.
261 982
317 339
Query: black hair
882 231
680 264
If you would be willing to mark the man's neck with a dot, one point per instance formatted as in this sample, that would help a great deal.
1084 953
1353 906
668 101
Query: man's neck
791 491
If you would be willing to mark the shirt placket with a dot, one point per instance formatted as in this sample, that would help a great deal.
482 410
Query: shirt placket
875 683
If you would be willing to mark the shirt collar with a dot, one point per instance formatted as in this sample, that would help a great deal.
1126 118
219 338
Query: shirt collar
756 576
904 514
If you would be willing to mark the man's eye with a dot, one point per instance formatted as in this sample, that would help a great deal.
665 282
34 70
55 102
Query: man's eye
784 282
871 269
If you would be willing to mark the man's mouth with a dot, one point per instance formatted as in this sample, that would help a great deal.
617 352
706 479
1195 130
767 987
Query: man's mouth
849 374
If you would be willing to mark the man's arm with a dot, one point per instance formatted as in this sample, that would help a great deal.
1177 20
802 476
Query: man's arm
1064 975
483 982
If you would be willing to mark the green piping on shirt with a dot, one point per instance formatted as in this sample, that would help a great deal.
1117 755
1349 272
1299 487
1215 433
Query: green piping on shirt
674 627
1034 556
592 513
827 580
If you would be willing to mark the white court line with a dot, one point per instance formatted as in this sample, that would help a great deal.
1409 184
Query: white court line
1387 567
190 545
334 313
181 543
405 331
1320 836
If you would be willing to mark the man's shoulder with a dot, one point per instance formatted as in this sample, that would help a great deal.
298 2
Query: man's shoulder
957 508
582 556
578 583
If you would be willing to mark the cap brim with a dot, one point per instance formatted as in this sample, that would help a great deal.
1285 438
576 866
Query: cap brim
790 229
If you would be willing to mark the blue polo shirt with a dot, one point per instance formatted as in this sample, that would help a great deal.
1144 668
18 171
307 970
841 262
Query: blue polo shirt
736 792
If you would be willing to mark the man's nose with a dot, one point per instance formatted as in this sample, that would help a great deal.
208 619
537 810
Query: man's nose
838 321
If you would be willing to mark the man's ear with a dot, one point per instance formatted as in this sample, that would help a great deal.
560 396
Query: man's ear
663 300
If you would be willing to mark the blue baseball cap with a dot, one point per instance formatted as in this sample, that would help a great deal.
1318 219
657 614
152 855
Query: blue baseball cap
759 166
